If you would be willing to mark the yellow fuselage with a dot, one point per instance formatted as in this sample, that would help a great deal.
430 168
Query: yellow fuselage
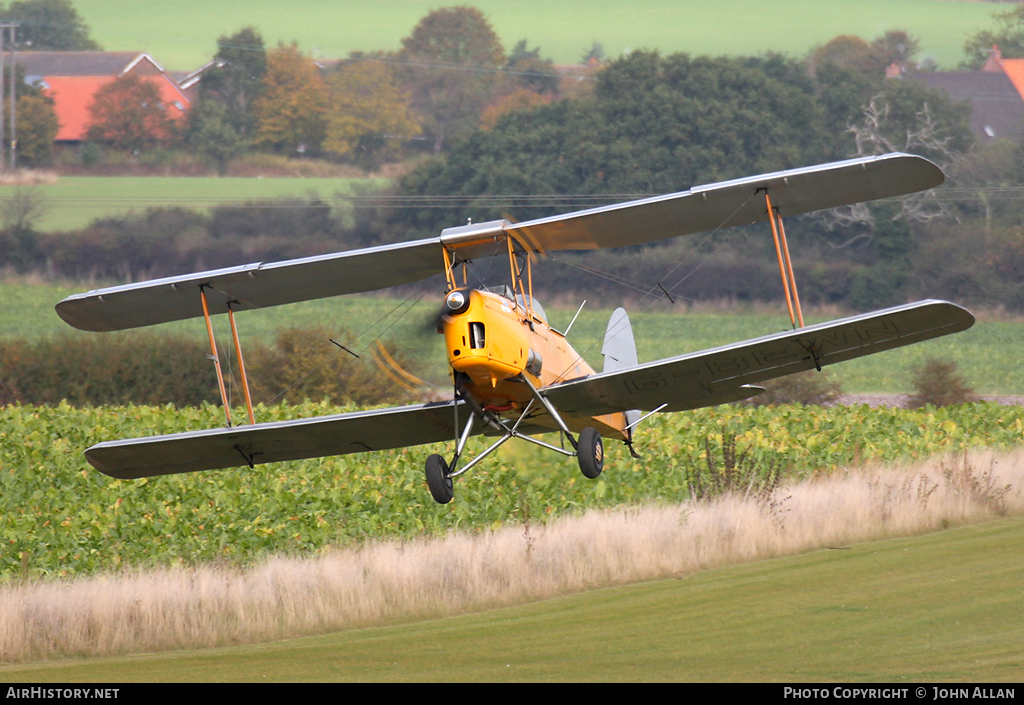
491 343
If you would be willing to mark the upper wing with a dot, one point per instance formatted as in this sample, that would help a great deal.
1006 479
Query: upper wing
360 431
733 203
727 373
724 204
252 286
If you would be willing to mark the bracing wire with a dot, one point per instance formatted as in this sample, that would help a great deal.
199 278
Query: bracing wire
649 290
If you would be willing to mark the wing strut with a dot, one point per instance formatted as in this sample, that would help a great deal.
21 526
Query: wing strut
241 366
785 263
214 356
216 359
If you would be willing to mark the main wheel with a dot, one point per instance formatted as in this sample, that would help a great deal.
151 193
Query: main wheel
590 453
441 487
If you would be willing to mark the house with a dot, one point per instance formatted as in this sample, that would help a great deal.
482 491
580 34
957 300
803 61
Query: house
72 78
995 93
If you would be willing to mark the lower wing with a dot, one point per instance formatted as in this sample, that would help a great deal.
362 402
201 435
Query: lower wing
729 373
357 432
707 378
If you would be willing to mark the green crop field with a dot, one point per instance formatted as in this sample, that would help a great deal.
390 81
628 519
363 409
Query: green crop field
944 607
182 36
75 201
60 517
987 353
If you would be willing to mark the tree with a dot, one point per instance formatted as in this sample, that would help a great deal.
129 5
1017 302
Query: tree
653 125
291 111
1008 35
455 35
36 129
236 78
19 241
908 116
37 124
897 47
593 55
528 70
851 53
842 95
849 73
369 116
452 65
213 134
128 113
49 25
520 99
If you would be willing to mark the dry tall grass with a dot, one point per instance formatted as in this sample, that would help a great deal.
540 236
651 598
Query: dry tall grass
385 582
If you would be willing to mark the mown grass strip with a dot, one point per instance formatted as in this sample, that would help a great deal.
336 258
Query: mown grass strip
941 607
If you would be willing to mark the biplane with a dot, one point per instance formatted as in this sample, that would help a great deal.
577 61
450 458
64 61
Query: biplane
513 374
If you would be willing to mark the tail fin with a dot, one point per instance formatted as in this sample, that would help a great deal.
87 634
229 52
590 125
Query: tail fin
619 349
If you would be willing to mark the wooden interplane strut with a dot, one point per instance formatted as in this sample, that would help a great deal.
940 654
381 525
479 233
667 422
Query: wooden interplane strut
241 366
785 264
216 361
214 356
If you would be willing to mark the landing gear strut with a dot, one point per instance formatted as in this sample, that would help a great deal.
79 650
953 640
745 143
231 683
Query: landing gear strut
588 449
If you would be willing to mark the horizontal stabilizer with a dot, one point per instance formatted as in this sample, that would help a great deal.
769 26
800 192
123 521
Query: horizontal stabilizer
719 375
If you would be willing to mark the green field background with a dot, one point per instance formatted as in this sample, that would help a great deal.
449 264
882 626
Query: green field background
988 354
75 201
182 35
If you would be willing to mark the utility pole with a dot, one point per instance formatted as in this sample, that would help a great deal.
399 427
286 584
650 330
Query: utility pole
3 27
14 102
14 142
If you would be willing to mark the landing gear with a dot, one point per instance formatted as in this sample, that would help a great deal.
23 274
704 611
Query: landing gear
441 487
590 453
587 448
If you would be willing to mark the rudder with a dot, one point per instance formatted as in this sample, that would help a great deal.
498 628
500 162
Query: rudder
619 349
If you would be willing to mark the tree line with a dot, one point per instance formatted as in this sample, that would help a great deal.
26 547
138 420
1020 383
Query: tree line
450 74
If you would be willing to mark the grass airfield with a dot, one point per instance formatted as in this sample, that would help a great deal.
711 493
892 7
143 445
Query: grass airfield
943 607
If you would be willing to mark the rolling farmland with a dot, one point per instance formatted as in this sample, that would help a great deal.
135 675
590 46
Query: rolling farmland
75 201
183 36
825 615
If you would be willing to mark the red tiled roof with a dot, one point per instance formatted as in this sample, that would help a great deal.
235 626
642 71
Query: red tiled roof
1014 70
72 96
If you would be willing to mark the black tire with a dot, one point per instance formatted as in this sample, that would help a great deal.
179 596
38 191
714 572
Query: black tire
590 453
441 487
